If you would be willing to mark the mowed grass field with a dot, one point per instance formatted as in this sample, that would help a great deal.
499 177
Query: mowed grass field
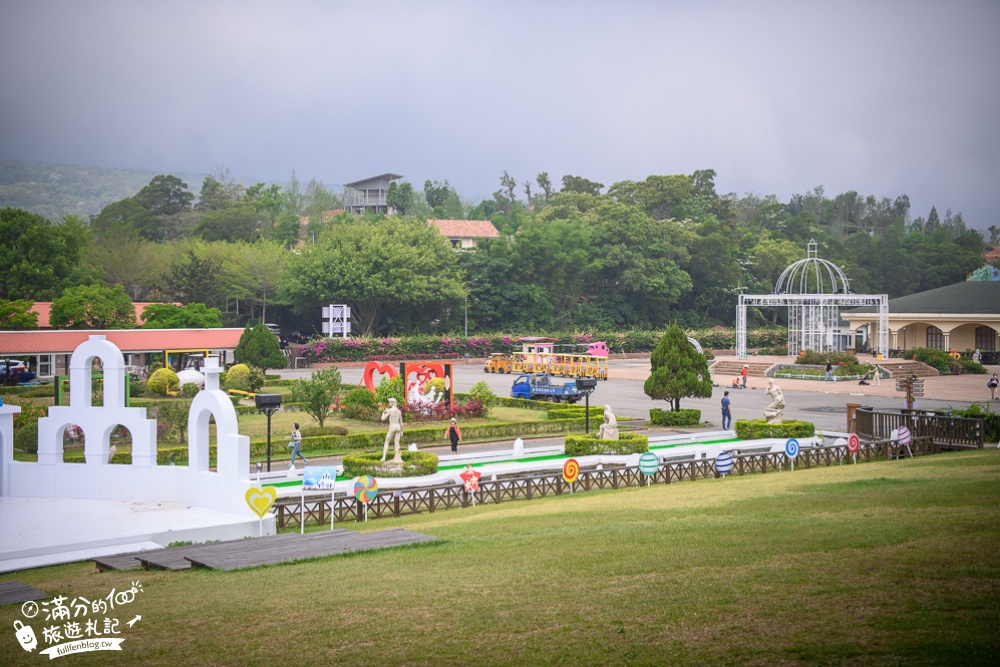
887 563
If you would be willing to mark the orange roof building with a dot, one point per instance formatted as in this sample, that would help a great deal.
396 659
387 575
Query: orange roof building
464 234
49 351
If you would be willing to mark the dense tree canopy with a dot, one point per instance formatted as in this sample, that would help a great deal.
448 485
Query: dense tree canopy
190 316
644 253
38 259
375 265
93 307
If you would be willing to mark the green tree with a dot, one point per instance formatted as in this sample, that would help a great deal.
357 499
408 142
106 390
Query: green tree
678 370
400 197
37 259
93 307
121 256
127 215
373 267
545 183
17 315
196 280
165 195
190 316
436 193
236 223
581 185
258 347
316 395
257 268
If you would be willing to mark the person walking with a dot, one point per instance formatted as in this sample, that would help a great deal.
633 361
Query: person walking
296 445
454 435
727 415
829 371
992 384
743 374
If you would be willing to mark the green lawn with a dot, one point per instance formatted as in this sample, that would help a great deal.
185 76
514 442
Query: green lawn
874 564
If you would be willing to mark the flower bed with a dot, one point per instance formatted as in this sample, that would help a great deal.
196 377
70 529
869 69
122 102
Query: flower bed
335 350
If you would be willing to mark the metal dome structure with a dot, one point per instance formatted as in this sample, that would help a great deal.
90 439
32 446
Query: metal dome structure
814 289
813 324
812 275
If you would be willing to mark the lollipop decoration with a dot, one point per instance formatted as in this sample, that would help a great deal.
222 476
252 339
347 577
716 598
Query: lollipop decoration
724 463
571 470
792 450
365 488
471 479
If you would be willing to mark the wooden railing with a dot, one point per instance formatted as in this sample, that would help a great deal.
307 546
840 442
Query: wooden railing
945 431
417 500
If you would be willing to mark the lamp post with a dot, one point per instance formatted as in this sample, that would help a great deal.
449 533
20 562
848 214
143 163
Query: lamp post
587 387
268 404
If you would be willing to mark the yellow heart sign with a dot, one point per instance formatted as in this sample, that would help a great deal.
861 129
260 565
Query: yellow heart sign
260 500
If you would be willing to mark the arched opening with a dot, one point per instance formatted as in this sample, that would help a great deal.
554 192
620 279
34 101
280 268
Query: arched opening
172 431
119 446
935 337
74 441
986 339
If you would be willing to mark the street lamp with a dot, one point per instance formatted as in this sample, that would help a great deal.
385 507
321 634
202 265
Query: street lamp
587 387
268 404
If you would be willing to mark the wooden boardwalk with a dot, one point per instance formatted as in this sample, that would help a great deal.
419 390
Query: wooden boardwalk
254 552
12 592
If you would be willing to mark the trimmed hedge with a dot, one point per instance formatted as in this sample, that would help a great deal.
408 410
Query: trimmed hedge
560 411
450 347
30 391
585 445
415 464
753 429
687 417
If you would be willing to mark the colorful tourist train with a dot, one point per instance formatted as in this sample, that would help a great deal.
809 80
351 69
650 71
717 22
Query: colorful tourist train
542 355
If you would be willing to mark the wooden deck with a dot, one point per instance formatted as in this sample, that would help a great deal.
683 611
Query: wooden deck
12 592
254 552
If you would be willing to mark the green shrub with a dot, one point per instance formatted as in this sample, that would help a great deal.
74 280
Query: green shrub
190 390
360 404
754 429
820 358
684 417
937 359
309 431
163 381
136 388
26 437
970 366
390 388
560 411
585 445
238 377
436 385
415 464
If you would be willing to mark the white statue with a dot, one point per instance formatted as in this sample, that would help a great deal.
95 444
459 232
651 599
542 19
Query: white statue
609 429
772 413
395 418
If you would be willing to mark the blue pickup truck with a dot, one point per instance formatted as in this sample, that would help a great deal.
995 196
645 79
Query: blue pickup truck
540 387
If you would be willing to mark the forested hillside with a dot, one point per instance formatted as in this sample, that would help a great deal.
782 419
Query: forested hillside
55 190
583 256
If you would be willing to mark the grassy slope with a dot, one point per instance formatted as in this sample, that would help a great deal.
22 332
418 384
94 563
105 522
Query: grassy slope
882 563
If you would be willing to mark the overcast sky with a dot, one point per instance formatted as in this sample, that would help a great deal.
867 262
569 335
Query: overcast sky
886 98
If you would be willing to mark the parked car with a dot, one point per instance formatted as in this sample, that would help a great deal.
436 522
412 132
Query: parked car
298 338
13 371
276 330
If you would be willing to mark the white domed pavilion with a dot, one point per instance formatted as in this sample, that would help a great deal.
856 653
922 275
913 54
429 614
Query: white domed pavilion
814 289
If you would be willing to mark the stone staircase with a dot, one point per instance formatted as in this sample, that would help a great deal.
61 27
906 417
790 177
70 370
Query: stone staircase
726 368
904 368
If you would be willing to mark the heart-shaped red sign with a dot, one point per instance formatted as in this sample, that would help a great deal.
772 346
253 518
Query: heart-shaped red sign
374 367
